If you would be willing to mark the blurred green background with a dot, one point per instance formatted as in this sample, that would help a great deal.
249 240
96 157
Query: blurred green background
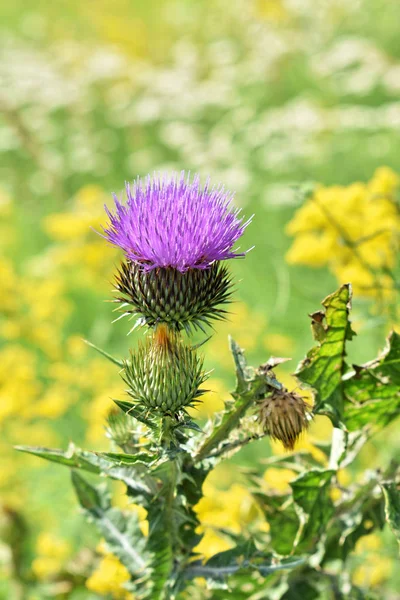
262 95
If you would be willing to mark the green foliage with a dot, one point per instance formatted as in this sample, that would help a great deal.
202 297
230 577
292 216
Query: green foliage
313 505
392 506
120 531
313 526
373 390
324 366
243 557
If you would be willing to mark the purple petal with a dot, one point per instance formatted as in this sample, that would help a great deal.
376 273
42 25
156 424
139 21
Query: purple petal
170 221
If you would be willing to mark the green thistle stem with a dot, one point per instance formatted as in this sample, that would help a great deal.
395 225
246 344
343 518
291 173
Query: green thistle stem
221 434
167 436
338 447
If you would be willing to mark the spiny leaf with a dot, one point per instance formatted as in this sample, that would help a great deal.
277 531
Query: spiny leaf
89 497
282 518
116 361
122 533
163 528
358 513
311 494
119 458
71 458
132 410
324 365
242 557
243 373
373 390
133 470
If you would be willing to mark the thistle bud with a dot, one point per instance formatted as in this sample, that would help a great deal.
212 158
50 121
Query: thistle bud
119 429
165 295
164 374
284 416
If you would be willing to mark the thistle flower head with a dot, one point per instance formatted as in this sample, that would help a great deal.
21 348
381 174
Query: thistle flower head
284 416
164 375
171 221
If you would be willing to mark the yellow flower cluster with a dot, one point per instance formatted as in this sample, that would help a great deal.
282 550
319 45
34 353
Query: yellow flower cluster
373 568
354 230
109 577
77 250
46 371
51 554
230 509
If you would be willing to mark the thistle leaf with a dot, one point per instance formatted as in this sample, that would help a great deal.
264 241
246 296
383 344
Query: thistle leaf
244 557
122 533
282 518
134 411
324 365
373 390
73 457
133 470
112 359
311 494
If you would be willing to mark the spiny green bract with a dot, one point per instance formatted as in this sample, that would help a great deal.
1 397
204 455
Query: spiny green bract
164 374
165 295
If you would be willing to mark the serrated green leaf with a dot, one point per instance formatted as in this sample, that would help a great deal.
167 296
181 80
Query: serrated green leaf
93 462
121 532
324 365
239 553
90 498
353 522
133 470
373 390
163 528
311 494
243 373
190 425
119 458
392 507
70 458
134 411
283 521
246 557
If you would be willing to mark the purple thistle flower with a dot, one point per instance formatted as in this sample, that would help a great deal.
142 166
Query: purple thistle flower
170 221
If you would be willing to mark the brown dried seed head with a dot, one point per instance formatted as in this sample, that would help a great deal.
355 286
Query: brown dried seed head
284 416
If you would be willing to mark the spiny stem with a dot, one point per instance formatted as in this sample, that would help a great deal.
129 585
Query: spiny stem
337 448
223 431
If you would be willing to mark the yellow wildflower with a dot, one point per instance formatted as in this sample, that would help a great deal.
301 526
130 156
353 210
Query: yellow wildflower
354 230
51 556
109 578
231 509
384 182
374 567
211 543
278 479
212 401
